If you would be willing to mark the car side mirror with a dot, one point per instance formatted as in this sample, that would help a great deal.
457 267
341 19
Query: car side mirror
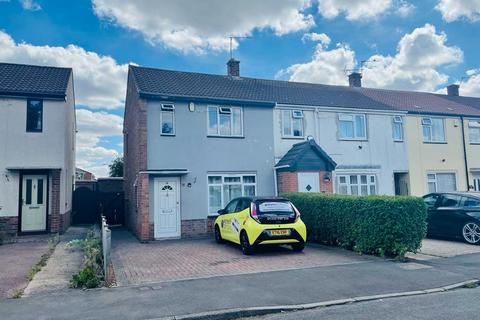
221 211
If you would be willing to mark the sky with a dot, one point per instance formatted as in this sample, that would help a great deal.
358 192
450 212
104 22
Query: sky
396 44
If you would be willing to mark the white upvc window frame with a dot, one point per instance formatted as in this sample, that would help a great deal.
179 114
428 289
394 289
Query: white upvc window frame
435 180
223 183
170 109
290 118
398 121
225 110
371 181
474 125
344 117
428 122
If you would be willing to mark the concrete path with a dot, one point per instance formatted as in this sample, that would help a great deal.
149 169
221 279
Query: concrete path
441 248
63 263
16 260
274 288
458 304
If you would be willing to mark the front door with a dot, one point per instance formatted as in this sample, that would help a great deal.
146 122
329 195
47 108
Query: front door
167 208
34 203
308 182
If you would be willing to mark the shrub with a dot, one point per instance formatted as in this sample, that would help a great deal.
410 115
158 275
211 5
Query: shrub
86 278
383 225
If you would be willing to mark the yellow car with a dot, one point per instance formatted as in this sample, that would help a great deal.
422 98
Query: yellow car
252 221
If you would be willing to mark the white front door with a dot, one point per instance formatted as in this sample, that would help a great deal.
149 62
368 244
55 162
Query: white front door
34 203
167 207
308 182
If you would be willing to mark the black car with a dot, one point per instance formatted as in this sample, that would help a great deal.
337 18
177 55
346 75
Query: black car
454 215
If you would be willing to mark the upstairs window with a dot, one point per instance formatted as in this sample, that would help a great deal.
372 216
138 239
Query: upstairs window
34 115
225 121
352 127
167 119
433 130
397 125
292 123
474 131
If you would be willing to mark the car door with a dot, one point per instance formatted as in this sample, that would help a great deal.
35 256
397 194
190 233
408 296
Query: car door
227 217
448 215
470 209
431 202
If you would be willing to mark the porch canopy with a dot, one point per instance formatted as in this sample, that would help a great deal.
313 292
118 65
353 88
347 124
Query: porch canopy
306 156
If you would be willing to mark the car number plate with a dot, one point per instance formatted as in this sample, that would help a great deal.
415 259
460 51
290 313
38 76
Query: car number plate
283 232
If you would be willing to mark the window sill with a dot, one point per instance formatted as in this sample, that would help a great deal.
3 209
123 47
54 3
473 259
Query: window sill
353 140
227 137
293 138
167 135
399 141
475 143
435 142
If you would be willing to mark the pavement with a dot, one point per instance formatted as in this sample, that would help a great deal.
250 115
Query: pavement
458 304
274 288
16 260
159 261
62 264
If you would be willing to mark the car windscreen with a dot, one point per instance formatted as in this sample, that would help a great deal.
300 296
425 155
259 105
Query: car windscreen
274 207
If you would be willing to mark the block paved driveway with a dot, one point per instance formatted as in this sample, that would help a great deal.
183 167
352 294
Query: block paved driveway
159 261
17 259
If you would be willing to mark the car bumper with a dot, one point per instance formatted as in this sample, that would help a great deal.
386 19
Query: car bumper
260 233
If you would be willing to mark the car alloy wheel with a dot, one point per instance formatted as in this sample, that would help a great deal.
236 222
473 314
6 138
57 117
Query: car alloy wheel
471 232
218 235
247 249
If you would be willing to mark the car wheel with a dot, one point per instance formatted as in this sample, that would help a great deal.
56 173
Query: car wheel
471 232
298 247
218 235
247 249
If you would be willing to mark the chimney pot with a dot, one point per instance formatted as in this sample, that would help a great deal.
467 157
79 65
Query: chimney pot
233 68
453 90
355 79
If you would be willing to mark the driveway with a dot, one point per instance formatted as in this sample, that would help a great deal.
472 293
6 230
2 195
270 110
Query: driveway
160 261
17 259
441 248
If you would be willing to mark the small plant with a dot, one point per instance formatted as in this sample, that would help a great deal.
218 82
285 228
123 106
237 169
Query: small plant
52 243
86 278
471 285
17 294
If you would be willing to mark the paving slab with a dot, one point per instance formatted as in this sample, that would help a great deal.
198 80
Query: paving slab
441 248
62 264
158 261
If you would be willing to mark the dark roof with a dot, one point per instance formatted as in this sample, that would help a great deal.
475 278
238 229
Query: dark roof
33 81
306 155
168 84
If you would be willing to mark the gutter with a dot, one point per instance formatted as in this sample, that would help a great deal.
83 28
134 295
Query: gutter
465 153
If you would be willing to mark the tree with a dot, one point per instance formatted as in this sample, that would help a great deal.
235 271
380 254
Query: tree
116 167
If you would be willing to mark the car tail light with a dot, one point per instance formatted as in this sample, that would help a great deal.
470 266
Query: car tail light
297 213
253 211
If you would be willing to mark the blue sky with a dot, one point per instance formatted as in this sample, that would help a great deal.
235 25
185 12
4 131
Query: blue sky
413 45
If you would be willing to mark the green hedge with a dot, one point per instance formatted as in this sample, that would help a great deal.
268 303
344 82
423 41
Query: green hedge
383 225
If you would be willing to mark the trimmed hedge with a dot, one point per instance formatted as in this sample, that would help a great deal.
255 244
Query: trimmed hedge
383 225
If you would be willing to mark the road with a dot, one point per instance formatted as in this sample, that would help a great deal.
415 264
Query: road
458 304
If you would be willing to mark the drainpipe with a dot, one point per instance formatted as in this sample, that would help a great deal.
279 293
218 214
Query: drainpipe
465 154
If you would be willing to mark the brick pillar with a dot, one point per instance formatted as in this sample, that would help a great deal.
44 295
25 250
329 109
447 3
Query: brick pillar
143 208
287 182
326 186
54 217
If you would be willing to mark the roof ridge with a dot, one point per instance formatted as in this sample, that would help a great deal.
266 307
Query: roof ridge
35 66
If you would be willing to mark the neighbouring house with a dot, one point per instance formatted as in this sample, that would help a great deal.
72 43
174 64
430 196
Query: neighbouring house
37 148
194 141
83 175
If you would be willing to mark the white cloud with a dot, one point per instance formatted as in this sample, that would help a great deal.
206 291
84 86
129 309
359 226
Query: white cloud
414 66
30 5
353 10
322 38
92 126
100 82
197 26
453 10
404 8
471 86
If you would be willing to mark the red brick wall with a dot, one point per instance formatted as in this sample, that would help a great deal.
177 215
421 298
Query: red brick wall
288 182
135 160
197 228
9 225
54 219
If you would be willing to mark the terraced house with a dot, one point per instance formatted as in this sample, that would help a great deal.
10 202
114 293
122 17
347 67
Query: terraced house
195 141
37 148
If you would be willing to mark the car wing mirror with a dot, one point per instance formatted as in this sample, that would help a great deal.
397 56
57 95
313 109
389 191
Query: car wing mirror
221 211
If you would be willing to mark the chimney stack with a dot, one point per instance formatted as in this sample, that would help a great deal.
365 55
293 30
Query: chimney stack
355 79
233 68
453 90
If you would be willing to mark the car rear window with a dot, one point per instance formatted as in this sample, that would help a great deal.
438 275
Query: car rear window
274 207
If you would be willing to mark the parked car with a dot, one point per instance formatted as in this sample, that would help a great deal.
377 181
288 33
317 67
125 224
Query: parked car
253 221
454 215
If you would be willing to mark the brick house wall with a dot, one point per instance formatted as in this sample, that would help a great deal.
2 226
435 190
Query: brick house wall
288 182
135 160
